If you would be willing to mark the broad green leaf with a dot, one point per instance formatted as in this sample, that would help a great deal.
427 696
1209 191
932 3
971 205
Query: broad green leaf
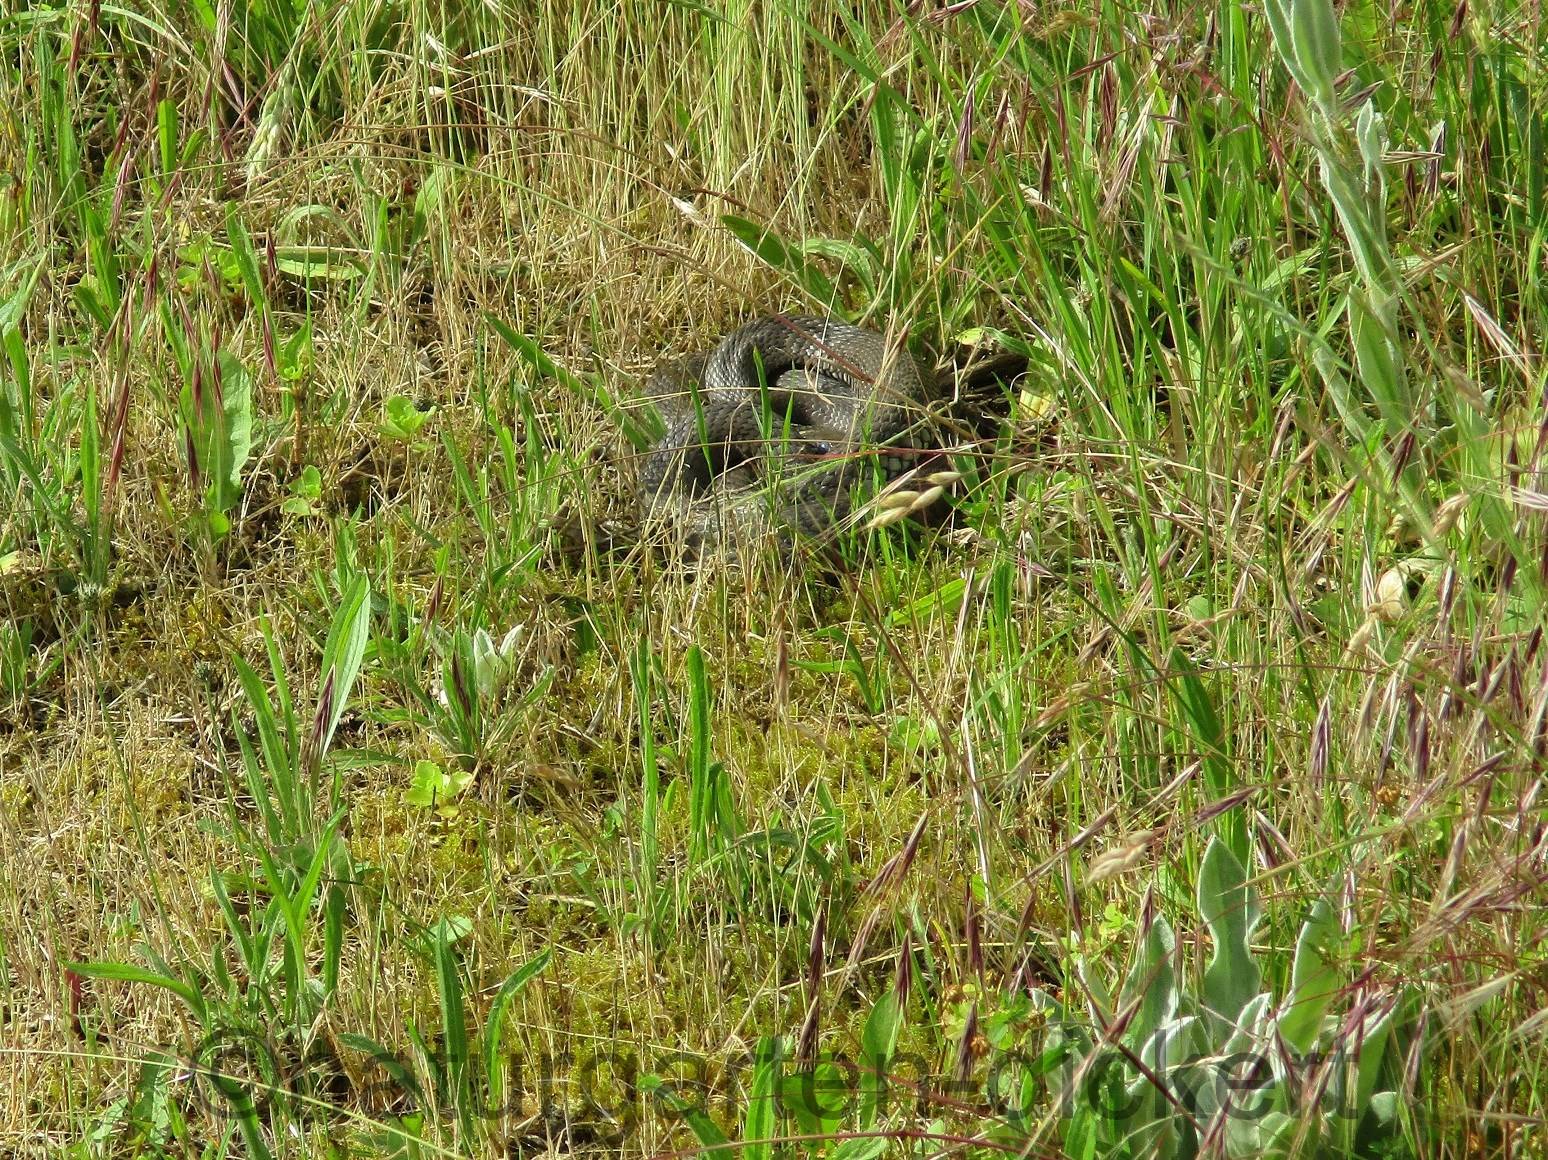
494 1024
1198 709
237 394
1252 1025
381 1057
1350 413
317 262
637 431
1315 37
1376 1035
401 419
774 252
943 601
860 258
1153 981
699 1123
13 308
246 258
1380 361
1355 210
129 973
308 485
1315 980
1229 907
1386 1106
914 734
863 1147
433 786
342 654
454 1027
878 1041
166 134
817 1098
221 436
760 1122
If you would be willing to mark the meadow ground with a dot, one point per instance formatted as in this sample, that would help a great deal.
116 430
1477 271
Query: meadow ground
368 789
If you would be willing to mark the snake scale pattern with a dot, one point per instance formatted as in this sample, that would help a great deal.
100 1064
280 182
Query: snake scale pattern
774 428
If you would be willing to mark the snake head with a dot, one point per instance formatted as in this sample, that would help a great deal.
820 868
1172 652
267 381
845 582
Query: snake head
808 442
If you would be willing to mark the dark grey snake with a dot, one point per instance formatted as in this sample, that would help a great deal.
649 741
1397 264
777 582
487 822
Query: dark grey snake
774 428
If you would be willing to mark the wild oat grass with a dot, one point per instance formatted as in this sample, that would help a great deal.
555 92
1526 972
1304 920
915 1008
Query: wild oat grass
366 786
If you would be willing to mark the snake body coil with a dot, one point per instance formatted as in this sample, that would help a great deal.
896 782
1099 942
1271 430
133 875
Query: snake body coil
775 427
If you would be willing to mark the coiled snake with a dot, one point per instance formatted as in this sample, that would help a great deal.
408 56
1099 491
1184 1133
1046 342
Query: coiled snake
774 428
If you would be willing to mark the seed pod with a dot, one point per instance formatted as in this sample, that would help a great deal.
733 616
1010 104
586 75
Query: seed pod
1391 596
887 516
924 499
